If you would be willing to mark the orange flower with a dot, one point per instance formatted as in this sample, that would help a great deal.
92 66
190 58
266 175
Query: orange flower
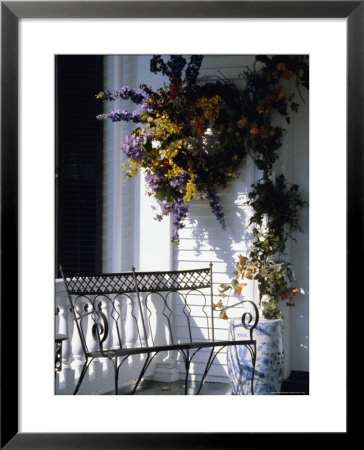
264 134
281 95
264 111
255 131
199 128
242 122
287 74
268 99
172 91
289 293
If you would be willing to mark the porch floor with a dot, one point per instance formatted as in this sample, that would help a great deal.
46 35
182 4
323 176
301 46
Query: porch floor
149 387
296 384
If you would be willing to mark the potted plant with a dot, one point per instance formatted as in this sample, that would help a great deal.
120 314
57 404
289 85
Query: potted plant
276 283
268 266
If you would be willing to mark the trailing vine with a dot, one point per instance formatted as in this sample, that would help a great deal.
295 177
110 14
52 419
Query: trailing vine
192 139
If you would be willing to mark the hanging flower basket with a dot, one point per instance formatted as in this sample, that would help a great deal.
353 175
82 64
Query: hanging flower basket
193 134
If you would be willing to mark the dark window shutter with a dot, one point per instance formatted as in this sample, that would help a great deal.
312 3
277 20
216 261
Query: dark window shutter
79 163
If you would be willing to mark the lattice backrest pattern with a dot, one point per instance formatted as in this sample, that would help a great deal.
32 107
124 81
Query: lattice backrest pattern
113 283
180 289
174 280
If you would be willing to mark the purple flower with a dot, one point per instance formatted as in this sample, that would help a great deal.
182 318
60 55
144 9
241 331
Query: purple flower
107 95
166 208
193 69
179 182
215 206
154 180
124 93
117 116
146 107
149 135
133 147
180 211
176 65
127 93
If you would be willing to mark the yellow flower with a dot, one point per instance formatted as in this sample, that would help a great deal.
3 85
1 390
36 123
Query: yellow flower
165 127
190 189
210 109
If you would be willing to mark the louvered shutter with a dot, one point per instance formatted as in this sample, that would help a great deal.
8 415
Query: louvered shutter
78 163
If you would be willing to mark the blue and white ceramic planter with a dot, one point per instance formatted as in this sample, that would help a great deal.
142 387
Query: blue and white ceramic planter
269 361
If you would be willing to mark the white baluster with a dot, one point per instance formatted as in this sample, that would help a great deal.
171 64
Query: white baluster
95 369
165 365
116 319
131 336
107 344
117 328
66 377
130 331
77 359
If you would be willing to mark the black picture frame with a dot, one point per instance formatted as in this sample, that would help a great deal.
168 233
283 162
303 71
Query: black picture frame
11 12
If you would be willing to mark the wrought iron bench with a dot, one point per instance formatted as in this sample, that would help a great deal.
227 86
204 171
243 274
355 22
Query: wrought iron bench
97 300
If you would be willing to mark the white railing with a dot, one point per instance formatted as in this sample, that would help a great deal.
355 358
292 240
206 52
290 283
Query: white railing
100 375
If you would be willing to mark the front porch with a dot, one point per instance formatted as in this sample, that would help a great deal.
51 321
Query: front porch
127 235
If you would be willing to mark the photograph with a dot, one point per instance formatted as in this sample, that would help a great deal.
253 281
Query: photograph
182 185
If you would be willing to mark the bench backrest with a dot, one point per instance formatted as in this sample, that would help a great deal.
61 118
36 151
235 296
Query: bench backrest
119 310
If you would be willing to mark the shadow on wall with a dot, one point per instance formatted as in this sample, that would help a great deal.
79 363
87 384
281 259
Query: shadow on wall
213 244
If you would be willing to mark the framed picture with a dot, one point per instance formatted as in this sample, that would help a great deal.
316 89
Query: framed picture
11 13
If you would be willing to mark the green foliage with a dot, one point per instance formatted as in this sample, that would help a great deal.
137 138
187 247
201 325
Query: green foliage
280 202
271 309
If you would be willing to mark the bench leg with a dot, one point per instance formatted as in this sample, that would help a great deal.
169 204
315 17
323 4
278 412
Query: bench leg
116 376
144 369
207 368
254 356
187 368
83 373
253 353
